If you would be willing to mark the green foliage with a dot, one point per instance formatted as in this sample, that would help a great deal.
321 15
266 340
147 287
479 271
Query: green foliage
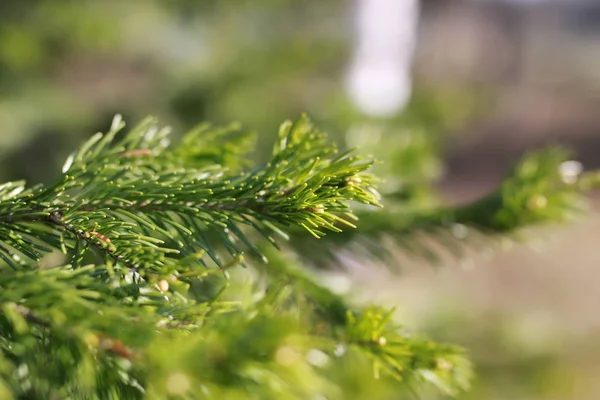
66 65
544 187
536 191
122 279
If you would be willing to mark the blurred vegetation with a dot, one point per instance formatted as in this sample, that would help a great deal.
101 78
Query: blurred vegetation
66 67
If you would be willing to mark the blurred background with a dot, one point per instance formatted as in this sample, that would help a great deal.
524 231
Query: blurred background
448 93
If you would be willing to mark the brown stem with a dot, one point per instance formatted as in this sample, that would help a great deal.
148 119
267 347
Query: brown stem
56 218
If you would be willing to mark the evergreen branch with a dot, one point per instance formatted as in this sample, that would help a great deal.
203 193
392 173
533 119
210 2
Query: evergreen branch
405 358
369 332
110 192
545 187
145 322
56 322
70 313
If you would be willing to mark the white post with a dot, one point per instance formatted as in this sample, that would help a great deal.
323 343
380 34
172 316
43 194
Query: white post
379 79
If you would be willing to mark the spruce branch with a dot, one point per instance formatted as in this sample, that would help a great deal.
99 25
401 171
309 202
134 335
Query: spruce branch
369 333
133 325
130 201
122 331
545 187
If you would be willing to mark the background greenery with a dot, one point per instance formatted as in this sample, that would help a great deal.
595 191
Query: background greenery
67 66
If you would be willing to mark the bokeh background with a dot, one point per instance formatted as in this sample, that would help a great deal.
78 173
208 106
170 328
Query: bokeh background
447 92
